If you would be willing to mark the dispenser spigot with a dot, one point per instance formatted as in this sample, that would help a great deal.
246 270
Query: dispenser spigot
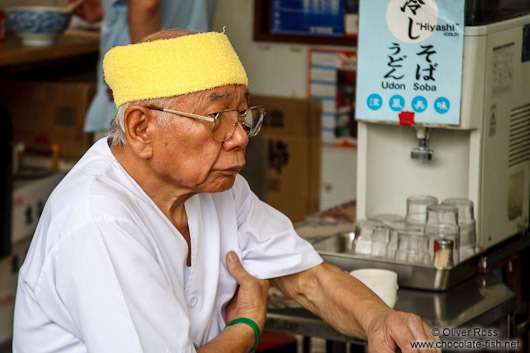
422 152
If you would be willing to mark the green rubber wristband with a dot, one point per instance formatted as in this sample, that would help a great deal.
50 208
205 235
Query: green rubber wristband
252 324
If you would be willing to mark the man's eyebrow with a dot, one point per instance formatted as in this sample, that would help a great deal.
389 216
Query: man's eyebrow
218 96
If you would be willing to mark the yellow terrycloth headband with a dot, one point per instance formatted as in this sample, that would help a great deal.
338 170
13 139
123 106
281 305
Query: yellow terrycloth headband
171 67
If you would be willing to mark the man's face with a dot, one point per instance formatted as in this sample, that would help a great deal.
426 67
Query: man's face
185 154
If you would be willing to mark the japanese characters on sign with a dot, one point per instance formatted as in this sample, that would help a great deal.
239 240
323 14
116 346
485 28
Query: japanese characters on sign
410 61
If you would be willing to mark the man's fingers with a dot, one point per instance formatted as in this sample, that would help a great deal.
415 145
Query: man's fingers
404 332
251 297
234 266
413 329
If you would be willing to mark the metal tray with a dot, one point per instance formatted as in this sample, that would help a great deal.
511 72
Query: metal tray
337 250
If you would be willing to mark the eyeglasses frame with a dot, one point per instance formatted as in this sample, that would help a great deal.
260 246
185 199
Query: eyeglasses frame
210 119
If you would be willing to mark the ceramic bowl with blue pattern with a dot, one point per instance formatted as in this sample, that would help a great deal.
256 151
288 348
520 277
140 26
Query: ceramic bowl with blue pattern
38 25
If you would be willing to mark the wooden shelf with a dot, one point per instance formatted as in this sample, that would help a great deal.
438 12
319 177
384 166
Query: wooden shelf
71 43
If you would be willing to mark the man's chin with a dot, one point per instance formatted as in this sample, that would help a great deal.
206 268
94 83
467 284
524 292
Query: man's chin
225 184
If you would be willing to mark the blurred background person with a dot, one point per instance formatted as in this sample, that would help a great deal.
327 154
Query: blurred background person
128 21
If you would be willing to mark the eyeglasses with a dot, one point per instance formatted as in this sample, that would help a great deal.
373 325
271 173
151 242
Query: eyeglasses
225 122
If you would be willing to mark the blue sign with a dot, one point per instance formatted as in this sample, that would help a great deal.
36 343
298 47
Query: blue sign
315 17
419 104
410 60
374 101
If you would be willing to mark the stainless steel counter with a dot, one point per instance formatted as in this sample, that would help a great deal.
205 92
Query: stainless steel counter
482 301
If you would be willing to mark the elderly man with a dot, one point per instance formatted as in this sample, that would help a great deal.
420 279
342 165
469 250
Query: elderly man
154 243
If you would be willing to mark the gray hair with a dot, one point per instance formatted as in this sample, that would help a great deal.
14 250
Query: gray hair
117 128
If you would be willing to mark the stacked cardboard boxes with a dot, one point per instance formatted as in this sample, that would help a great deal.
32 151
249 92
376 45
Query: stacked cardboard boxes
292 130
46 112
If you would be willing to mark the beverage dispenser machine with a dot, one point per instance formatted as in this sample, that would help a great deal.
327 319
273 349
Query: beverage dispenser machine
443 109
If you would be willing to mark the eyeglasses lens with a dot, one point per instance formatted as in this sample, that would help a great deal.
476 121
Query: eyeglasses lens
226 123
257 114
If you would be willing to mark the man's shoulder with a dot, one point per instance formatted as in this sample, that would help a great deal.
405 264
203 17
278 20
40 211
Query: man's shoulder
93 191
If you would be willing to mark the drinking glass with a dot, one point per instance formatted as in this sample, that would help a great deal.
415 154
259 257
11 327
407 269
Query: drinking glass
380 240
442 214
389 218
364 235
466 222
465 207
417 208
394 222
412 247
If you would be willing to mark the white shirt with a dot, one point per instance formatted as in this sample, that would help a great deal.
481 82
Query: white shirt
106 269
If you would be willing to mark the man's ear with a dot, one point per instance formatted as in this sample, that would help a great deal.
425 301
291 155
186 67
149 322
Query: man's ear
138 122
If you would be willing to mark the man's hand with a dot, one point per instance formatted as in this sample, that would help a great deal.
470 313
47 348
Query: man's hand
250 300
395 331
89 10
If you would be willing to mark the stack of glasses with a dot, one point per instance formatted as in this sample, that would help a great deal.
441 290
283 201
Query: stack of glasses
441 235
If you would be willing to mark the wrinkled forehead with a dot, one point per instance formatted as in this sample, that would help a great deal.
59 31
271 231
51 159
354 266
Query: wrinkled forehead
172 67
228 94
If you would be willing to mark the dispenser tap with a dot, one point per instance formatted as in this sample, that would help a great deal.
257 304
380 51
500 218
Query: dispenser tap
422 152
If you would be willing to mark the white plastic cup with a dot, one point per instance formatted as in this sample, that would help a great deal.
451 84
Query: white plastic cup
381 282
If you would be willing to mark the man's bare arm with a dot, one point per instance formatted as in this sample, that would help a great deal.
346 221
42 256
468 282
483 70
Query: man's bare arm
144 18
352 309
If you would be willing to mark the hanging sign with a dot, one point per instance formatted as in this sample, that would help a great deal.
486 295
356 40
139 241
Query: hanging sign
410 61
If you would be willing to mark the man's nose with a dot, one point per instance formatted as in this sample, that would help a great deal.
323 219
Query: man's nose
238 139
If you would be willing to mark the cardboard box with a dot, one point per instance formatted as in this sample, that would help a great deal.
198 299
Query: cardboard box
292 128
46 112
29 197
